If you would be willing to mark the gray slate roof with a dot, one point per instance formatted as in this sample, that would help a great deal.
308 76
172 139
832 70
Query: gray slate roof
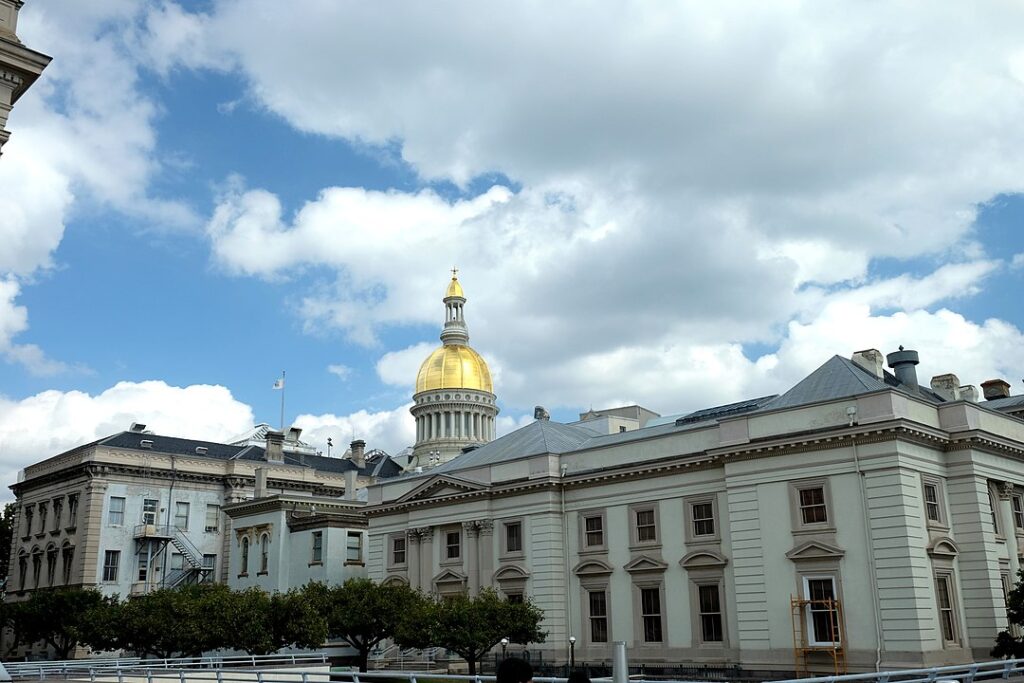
536 438
381 466
840 378
1005 404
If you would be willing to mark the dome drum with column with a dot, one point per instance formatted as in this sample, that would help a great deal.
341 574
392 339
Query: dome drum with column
454 403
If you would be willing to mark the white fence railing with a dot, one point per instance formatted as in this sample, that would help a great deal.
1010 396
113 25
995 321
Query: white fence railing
92 668
964 673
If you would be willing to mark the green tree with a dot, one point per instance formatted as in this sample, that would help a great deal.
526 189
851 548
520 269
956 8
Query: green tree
363 613
6 541
184 621
297 621
64 618
471 627
1007 645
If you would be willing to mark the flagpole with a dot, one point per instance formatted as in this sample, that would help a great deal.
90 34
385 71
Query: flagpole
283 389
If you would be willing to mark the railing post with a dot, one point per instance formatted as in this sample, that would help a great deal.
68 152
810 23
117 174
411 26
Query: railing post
620 666
1007 668
259 676
149 676
973 671
220 675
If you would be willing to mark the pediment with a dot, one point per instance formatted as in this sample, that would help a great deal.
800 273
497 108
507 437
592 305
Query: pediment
511 572
815 550
593 568
943 547
395 580
449 576
704 559
441 486
645 563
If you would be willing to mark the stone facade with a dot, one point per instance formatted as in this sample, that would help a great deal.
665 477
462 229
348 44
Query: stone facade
692 540
19 65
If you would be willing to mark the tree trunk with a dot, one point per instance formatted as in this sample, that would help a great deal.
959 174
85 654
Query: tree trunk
471 660
364 657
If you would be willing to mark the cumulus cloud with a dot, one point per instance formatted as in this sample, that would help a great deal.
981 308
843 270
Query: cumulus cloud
51 422
342 372
389 430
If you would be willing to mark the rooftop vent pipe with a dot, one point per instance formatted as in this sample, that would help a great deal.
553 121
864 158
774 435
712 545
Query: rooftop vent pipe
903 364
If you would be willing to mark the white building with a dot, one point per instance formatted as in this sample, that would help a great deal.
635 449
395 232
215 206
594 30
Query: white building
857 517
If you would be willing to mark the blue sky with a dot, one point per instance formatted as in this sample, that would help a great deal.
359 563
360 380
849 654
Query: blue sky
643 208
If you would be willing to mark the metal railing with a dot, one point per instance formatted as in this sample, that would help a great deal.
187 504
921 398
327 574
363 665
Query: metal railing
93 668
964 673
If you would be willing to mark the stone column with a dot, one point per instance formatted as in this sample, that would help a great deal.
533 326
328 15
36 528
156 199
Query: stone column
412 560
426 558
472 558
485 551
87 537
1008 528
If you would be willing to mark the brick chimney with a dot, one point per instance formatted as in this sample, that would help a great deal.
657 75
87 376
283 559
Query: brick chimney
947 386
358 448
995 388
871 360
275 446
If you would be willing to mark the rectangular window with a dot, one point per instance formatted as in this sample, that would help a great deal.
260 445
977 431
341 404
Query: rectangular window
398 551
993 511
150 507
181 515
823 612
212 517
453 543
514 598
650 614
318 546
646 530
710 603
598 601
116 514
354 547
931 503
514 537
111 559
177 561
72 509
593 531
812 505
43 510
703 519
58 509
29 511
944 595
143 565
209 561
1017 502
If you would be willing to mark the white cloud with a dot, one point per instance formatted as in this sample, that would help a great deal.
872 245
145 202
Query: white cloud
1018 261
51 422
389 430
342 372
399 368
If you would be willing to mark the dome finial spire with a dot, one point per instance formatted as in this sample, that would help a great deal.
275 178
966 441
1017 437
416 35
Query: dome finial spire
455 273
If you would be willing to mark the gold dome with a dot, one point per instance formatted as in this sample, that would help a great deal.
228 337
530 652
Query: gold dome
454 366
454 289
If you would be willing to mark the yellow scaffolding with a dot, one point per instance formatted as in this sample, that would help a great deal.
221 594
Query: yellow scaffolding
804 648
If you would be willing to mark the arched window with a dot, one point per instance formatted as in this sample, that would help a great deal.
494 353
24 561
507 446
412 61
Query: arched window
245 557
22 569
51 564
37 566
68 553
264 550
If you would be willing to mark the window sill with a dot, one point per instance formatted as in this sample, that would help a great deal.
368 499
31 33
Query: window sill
937 526
316 563
452 562
517 555
27 538
642 547
354 563
243 575
41 534
262 573
70 529
704 540
594 550
398 568
808 530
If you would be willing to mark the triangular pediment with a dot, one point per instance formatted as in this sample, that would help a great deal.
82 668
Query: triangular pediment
815 550
441 486
704 559
449 576
510 572
593 568
943 547
645 563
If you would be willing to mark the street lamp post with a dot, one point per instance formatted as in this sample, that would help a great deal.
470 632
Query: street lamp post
504 647
572 652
